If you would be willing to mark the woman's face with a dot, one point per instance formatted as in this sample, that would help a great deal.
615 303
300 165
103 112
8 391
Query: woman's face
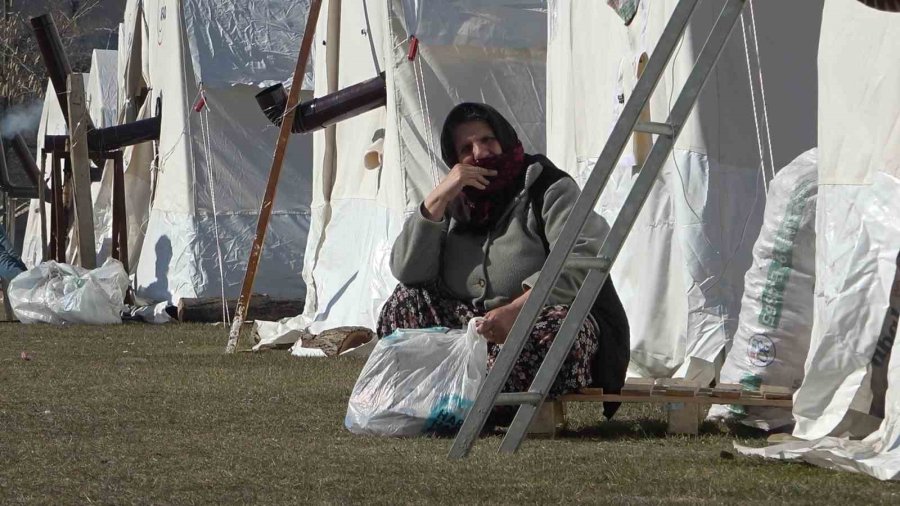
474 141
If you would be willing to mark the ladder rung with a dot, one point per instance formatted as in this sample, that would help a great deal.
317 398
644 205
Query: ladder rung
595 263
652 127
518 398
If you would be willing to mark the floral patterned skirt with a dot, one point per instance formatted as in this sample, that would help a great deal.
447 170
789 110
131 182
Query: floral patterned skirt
428 306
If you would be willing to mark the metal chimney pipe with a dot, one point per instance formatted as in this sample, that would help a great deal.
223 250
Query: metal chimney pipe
21 149
6 185
319 113
884 5
54 56
99 139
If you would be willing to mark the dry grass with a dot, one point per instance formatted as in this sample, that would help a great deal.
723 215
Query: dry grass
140 414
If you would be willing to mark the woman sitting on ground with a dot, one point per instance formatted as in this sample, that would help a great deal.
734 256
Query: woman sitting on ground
478 243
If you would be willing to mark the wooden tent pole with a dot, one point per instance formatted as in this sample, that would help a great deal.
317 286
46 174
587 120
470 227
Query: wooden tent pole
265 210
79 121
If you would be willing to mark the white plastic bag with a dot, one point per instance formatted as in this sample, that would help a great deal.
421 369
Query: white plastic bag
62 293
418 381
772 340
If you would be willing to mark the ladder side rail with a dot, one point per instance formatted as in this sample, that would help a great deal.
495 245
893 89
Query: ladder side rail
613 149
625 220
554 359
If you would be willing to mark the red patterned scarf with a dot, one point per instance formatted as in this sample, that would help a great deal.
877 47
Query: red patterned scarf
485 206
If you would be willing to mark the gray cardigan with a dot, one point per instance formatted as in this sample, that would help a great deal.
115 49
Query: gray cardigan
491 269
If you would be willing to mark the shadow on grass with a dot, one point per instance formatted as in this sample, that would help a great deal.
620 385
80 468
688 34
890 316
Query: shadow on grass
653 428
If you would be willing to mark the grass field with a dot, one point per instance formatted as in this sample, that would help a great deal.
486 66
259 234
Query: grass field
138 414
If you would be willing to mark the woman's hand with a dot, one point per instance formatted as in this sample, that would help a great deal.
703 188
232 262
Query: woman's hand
451 186
499 321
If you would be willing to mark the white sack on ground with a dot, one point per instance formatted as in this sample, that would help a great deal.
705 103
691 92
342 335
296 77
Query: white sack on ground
877 455
772 340
418 381
857 242
62 293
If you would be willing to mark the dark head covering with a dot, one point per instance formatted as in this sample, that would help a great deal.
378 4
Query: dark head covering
471 111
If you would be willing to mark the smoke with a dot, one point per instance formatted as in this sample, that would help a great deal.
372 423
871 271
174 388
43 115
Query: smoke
21 119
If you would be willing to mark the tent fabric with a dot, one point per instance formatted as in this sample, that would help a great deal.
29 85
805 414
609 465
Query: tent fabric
357 214
103 103
859 129
857 235
680 273
240 42
205 177
102 88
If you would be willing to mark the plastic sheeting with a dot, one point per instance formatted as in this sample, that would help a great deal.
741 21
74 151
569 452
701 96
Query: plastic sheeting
857 234
62 293
102 88
857 243
772 340
103 102
244 42
418 381
680 273
877 455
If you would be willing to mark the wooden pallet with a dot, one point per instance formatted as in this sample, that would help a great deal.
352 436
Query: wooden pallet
684 399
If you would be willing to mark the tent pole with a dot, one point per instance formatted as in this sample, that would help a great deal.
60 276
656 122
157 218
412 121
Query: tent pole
268 202
42 199
332 62
81 171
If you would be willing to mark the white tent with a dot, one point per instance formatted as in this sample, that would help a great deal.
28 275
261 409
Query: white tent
194 196
680 274
468 51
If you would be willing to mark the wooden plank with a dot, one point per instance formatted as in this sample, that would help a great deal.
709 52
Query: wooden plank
642 142
775 392
120 219
638 386
751 394
81 171
549 420
209 309
683 418
677 387
42 206
663 399
727 391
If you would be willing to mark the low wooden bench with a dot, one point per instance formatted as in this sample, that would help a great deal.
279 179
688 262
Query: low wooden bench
685 401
